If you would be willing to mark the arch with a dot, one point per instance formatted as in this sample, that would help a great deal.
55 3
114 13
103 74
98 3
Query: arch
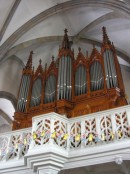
117 6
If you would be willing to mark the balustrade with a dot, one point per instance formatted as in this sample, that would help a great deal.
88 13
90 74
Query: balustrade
69 134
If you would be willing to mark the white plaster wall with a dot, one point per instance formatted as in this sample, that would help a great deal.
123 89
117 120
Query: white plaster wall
10 76
126 79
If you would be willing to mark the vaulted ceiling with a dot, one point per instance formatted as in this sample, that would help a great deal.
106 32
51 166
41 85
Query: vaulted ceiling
39 25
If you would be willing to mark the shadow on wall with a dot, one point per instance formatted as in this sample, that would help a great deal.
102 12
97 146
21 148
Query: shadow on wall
10 75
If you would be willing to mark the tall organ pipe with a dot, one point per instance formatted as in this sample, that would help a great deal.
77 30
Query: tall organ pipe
20 95
68 77
80 80
23 94
19 106
96 75
36 93
114 69
64 78
110 69
23 99
26 92
50 89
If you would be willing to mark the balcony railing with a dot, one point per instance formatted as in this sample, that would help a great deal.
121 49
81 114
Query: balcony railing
82 132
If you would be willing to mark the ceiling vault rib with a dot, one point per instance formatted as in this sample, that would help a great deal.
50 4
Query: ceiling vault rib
47 39
54 10
5 116
120 53
9 17
108 16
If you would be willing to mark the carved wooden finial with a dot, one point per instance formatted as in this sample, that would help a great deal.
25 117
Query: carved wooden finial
31 52
40 61
105 36
29 62
65 43
86 53
52 58
66 31
46 66
59 47
79 49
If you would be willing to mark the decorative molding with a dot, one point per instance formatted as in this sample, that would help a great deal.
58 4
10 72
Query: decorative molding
9 17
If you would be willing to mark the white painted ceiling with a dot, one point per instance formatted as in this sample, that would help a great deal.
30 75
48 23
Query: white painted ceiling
39 25
82 18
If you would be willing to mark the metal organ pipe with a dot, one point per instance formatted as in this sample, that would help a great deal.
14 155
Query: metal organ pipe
62 75
23 98
92 72
19 105
58 87
65 75
64 78
23 94
80 80
68 77
26 91
96 76
50 89
114 77
36 93
110 69
106 71
70 83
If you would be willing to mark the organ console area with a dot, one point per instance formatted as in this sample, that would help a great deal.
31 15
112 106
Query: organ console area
71 86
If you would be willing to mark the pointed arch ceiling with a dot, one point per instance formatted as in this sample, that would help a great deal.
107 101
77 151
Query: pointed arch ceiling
38 26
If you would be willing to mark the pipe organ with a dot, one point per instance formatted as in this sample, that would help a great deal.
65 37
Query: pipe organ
71 86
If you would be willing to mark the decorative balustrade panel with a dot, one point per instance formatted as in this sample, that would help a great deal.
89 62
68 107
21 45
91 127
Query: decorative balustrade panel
106 128
75 134
14 145
3 146
90 130
41 132
122 127
60 133
89 137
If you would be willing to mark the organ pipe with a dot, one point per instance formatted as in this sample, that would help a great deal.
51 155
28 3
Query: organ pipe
96 76
50 89
110 70
36 93
23 94
64 78
80 81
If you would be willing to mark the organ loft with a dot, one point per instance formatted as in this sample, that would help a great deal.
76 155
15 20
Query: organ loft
71 86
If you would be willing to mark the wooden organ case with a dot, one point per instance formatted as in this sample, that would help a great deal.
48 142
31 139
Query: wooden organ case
70 86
